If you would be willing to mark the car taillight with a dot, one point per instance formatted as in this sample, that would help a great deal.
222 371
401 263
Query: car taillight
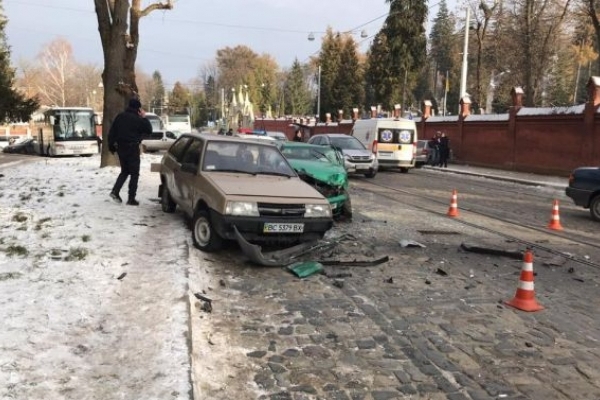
374 147
571 179
414 148
425 152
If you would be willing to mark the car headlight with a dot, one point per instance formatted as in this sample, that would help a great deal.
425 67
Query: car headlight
317 210
241 208
371 156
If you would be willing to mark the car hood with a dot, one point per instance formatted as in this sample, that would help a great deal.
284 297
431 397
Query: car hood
330 174
234 184
356 153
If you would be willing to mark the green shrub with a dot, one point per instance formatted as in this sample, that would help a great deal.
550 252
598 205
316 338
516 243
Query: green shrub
76 254
16 250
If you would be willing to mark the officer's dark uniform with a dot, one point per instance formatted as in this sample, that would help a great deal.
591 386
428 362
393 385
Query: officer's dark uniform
125 135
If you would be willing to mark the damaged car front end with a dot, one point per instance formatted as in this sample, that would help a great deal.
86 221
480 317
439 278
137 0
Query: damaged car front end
322 168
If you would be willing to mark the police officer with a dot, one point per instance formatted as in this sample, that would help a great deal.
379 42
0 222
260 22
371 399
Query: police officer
125 135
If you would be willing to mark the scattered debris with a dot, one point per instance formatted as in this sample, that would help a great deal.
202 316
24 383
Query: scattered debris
202 297
280 258
441 272
206 307
429 232
571 270
357 263
427 282
470 286
304 269
495 251
579 279
557 261
410 243
528 344
338 283
207 303
222 283
332 274
123 275
390 280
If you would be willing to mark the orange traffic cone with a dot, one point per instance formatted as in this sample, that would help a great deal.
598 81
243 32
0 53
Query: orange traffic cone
453 210
555 219
525 297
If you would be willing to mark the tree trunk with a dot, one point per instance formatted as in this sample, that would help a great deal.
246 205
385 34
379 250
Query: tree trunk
120 53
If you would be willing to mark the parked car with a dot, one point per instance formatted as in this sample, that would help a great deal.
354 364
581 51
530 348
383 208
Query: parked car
357 159
423 153
584 189
323 168
223 182
158 140
25 146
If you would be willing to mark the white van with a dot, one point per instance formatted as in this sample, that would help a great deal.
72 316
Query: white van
394 140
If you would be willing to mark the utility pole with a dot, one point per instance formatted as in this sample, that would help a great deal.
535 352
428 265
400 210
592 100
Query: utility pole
463 77
319 93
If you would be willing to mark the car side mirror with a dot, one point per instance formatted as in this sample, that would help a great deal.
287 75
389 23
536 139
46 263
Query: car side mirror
190 168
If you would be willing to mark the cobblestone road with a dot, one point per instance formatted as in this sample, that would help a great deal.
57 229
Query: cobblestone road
428 324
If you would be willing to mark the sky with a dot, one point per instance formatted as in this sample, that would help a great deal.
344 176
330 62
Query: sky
71 329
180 41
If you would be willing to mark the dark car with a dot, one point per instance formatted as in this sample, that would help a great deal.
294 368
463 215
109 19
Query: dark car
23 147
584 189
357 159
424 153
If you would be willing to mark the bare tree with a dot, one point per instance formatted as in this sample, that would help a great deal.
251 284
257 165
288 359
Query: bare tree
118 24
58 65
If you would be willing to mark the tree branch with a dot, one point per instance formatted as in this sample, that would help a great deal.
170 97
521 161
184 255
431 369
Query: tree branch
168 5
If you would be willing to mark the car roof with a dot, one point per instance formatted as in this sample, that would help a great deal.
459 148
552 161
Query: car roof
333 134
301 145
211 137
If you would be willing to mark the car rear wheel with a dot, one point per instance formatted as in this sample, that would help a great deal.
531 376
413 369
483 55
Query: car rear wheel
204 236
404 170
595 207
166 201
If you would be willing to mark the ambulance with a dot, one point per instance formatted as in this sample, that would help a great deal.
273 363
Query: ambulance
393 140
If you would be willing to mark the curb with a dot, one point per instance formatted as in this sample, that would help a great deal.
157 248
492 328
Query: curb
500 178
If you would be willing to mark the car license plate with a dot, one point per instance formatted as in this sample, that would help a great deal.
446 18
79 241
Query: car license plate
362 166
385 153
283 228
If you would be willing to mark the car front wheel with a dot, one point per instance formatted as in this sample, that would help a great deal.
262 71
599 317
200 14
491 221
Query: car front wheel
595 207
371 174
166 201
204 236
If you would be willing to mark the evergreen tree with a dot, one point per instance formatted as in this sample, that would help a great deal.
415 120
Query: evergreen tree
443 45
379 81
158 93
14 106
398 52
349 78
298 98
330 60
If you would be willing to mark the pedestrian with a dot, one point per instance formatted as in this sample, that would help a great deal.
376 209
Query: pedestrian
298 136
444 150
125 135
221 132
434 150
229 132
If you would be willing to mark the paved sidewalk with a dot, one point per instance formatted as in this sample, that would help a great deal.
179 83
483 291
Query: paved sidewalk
508 176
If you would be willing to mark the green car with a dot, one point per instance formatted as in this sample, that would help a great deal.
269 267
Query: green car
323 168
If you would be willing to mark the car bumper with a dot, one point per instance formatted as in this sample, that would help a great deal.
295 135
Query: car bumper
580 197
251 228
360 167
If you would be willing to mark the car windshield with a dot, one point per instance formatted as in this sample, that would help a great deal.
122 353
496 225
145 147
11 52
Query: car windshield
347 143
322 154
247 157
